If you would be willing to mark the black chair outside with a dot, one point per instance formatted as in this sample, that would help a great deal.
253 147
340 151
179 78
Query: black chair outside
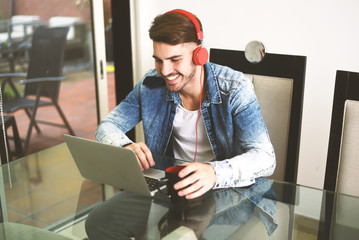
346 90
43 79
7 154
281 70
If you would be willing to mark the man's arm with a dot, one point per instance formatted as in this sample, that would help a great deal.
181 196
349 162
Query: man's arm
112 129
239 171
251 137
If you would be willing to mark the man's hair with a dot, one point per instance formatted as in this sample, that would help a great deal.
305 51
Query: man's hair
173 29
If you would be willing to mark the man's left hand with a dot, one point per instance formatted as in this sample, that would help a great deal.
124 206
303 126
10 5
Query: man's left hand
201 178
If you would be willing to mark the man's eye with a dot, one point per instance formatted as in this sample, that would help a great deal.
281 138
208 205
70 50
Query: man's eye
175 60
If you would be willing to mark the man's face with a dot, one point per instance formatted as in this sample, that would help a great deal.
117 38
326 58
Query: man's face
174 63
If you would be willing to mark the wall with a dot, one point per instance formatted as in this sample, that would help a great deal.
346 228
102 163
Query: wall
4 9
326 31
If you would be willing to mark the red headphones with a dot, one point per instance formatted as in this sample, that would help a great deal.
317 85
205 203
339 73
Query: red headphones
200 54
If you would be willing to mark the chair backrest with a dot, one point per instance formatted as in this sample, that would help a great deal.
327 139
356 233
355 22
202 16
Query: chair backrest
349 151
343 152
46 60
342 168
279 85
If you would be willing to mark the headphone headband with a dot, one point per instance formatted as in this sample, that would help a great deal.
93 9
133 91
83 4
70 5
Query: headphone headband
200 54
193 19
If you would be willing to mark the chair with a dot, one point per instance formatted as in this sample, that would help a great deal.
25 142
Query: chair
343 159
43 78
341 149
348 164
279 85
9 121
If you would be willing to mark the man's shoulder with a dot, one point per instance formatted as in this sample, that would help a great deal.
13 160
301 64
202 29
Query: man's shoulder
228 79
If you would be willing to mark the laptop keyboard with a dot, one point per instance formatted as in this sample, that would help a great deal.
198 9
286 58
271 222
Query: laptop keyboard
153 183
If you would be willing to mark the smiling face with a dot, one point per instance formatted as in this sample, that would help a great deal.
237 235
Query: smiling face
174 63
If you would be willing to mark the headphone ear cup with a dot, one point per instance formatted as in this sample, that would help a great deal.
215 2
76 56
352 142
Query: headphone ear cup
200 56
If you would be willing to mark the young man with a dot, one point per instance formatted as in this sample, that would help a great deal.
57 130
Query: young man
203 113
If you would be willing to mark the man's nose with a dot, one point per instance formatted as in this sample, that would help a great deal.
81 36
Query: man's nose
167 68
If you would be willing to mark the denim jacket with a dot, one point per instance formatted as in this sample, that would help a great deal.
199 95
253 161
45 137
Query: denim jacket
232 119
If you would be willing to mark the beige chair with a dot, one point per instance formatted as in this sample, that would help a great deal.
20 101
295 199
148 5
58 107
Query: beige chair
348 168
279 85
342 161
343 153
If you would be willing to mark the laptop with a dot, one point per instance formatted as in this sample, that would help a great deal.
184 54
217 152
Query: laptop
113 166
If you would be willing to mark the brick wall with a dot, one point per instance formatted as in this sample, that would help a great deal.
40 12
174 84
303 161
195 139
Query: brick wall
4 9
49 8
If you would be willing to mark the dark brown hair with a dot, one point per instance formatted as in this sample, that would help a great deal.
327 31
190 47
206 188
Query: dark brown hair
173 29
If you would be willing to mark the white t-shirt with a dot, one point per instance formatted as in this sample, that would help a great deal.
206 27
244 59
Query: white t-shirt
184 137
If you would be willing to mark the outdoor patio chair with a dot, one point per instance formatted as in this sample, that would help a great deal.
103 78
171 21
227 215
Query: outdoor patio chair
7 154
43 78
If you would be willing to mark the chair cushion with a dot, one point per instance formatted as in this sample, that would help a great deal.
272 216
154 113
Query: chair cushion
349 152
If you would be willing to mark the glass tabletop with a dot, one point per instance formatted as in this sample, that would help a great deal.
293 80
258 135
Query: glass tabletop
45 192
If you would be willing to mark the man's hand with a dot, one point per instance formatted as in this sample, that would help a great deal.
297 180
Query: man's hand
201 177
143 153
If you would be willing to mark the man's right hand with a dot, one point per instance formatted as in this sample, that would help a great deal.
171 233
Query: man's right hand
143 153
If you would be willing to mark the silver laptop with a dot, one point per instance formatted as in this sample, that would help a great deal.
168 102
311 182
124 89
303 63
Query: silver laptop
113 165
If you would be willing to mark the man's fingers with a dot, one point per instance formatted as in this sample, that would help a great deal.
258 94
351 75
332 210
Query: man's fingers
147 153
143 154
195 190
198 179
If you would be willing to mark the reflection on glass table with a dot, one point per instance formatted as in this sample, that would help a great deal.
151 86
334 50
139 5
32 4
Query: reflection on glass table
217 215
45 191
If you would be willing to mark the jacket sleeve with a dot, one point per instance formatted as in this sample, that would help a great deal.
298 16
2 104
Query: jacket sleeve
257 158
113 128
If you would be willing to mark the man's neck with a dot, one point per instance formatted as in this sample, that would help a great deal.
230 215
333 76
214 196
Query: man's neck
193 95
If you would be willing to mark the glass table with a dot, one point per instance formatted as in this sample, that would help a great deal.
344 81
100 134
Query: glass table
45 192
